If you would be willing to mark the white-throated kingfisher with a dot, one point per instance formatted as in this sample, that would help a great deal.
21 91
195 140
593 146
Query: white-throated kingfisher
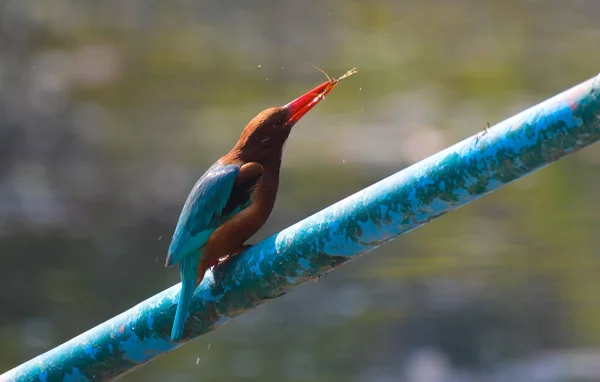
234 197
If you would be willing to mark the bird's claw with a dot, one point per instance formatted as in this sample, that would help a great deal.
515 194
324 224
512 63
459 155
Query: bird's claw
241 249
223 259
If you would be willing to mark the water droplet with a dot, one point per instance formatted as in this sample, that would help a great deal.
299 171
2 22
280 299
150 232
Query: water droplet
359 88
343 161
260 66
198 360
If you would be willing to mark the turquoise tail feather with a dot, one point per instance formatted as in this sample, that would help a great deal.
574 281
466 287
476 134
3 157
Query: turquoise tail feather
187 270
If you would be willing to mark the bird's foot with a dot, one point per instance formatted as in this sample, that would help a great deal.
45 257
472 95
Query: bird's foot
223 259
241 249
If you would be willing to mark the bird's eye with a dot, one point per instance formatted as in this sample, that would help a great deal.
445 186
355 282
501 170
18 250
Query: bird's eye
265 143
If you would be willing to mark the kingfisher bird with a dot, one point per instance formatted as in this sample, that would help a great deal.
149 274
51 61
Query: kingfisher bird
234 197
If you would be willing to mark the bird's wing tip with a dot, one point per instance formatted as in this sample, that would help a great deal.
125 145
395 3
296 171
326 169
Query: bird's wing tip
170 261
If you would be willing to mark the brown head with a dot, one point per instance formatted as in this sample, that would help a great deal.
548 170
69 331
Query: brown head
264 136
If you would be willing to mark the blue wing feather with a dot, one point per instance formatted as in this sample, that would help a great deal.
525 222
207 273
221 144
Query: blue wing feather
201 213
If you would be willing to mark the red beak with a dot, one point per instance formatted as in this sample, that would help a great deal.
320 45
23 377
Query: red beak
302 105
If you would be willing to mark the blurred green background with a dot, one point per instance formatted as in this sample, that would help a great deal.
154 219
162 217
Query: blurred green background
110 110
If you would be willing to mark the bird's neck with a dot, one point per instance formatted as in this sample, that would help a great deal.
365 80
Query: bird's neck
271 172
269 160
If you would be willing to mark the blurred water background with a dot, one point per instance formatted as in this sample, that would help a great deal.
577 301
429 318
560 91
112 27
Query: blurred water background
110 110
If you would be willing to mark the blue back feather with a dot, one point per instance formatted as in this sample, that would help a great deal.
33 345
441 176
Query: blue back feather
201 213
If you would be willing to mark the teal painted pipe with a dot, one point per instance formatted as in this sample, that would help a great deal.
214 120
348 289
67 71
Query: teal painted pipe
326 240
